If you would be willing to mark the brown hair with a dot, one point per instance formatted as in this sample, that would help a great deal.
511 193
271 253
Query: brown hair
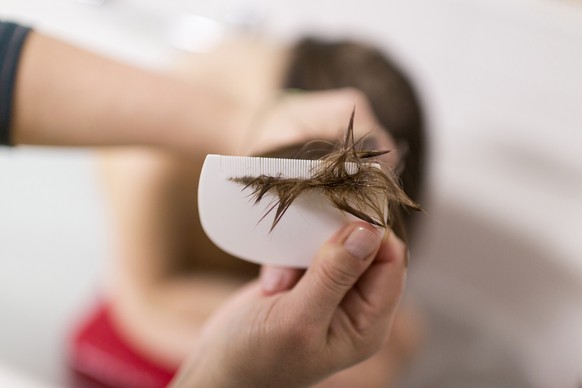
365 190
320 65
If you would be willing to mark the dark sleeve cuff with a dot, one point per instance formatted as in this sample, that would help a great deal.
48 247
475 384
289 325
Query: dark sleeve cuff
12 37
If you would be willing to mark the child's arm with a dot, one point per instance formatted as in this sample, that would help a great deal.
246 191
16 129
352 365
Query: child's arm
159 292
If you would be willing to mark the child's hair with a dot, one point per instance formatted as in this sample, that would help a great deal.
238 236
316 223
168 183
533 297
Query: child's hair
319 65
347 179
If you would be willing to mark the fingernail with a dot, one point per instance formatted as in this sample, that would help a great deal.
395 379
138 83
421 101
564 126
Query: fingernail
271 280
362 242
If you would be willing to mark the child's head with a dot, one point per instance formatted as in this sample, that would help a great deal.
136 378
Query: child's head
319 65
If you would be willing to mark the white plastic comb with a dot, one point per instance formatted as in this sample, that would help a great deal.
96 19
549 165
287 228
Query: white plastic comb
233 222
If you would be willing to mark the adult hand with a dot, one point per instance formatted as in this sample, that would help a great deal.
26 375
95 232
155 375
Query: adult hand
298 117
338 314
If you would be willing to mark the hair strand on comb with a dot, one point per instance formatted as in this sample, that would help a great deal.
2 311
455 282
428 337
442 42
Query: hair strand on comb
347 178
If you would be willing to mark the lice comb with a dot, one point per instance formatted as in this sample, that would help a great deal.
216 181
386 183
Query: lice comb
308 200
241 226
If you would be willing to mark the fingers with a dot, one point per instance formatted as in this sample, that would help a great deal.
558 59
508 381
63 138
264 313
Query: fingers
377 293
335 270
277 279
333 110
296 118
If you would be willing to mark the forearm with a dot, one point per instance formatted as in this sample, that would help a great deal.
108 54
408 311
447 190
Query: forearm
67 96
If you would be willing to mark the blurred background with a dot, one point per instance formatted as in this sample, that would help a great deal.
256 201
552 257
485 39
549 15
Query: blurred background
498 267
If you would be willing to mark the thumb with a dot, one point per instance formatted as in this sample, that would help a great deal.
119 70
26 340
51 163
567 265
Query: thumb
335 270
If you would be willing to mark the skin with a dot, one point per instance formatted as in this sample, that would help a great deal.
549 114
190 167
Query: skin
338 314
161 311
66 96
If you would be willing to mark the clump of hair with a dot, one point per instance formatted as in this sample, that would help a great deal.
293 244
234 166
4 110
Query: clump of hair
348 178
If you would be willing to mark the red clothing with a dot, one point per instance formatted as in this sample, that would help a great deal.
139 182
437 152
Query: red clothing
100 357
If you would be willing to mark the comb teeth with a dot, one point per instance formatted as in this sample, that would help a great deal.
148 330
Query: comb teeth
240 166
